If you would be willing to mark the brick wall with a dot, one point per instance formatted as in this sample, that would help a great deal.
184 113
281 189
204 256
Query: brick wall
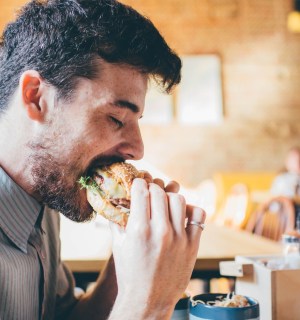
261 77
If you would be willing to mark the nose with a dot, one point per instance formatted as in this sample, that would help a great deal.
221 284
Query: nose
132 147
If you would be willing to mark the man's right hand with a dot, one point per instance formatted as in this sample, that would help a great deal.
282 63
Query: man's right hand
155 255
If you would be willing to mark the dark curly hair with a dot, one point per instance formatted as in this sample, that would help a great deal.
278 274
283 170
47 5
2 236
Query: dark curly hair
63 39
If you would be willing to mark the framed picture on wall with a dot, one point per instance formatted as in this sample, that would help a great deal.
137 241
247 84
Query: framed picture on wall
199 96
197 99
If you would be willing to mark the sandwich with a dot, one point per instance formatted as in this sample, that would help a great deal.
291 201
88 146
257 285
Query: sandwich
108 190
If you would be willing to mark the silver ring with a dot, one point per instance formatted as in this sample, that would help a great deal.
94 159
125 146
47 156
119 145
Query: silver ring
195 223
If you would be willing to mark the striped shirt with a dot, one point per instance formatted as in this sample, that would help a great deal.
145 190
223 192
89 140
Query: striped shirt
34 283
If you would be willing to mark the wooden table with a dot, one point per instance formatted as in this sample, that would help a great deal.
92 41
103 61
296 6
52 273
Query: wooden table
85 248
220 243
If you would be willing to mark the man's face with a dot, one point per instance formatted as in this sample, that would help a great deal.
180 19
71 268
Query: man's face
98 126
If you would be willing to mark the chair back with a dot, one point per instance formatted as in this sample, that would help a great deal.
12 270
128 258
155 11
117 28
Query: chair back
273 218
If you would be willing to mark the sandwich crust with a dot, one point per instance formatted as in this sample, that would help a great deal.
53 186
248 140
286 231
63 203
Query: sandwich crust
123 173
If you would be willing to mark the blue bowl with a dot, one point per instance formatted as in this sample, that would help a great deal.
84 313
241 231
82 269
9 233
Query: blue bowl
207 312
181 311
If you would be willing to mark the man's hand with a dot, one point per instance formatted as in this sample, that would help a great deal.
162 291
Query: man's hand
155 254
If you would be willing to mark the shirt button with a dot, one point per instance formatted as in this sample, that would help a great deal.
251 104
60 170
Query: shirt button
43 256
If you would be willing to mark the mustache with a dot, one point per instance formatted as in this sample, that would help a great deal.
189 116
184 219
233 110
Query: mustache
101 161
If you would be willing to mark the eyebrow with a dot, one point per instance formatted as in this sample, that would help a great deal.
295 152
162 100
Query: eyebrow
126 104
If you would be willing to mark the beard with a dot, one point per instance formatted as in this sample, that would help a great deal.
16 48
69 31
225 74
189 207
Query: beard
54 190
56 184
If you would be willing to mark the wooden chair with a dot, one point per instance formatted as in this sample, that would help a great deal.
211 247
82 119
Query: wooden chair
273 218
255 181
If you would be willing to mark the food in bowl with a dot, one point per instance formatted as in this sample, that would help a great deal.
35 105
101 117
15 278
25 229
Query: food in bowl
217 306
231 300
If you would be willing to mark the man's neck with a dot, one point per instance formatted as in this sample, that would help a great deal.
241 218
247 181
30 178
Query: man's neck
15 162
17 132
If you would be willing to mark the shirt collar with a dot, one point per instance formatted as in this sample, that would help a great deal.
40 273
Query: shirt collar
18 211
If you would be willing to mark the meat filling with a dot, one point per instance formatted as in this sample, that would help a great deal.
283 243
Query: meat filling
121 202
98 178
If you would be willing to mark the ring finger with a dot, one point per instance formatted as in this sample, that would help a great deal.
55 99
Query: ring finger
196 218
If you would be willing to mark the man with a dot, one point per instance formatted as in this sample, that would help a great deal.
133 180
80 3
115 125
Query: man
73 79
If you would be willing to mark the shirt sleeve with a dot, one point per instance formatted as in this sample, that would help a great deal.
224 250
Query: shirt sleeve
283 185
276 186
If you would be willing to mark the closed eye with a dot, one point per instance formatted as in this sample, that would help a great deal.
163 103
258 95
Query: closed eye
119 123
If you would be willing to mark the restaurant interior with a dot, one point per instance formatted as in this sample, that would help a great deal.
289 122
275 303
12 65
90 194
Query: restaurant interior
224 134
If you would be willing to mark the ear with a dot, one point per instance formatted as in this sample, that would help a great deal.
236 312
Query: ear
31 86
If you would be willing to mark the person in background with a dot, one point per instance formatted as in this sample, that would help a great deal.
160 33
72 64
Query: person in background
73 79
284 193
287 183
